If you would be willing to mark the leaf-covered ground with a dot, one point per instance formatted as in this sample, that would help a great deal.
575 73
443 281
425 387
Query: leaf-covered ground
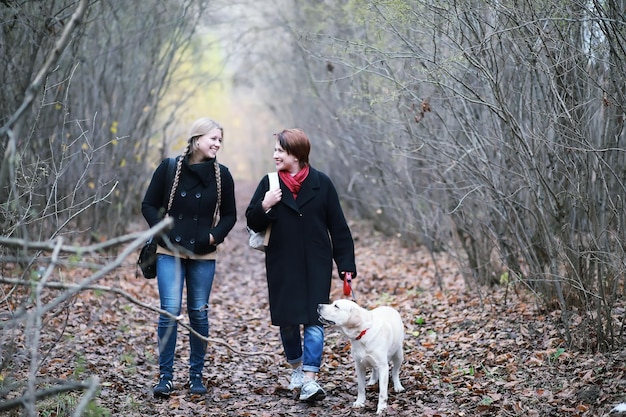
466 353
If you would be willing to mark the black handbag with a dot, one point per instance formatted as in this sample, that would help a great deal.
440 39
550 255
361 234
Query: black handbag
148 255
147 259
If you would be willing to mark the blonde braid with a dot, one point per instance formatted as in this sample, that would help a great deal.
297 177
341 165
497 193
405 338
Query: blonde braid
179 166
218 184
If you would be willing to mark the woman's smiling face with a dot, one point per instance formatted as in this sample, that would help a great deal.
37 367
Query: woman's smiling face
285 161
208 145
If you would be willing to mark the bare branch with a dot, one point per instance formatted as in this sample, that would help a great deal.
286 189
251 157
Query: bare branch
76 288
65 386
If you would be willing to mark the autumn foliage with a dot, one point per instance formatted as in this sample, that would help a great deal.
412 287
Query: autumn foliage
467 352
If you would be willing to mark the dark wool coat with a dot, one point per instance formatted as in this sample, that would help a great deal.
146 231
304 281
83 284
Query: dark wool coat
307 235
193 205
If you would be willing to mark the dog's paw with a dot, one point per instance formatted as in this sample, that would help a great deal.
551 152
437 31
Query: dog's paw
358 404
399 388
381 408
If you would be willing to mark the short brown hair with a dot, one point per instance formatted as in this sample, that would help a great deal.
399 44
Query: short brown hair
295 142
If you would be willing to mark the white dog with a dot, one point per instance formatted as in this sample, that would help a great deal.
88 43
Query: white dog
377 337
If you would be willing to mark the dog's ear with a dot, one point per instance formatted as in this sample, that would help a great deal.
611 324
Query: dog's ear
355 321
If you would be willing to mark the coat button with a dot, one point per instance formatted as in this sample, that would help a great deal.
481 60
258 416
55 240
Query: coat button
183 193
192 241
180 216
198 195
178 239
195 217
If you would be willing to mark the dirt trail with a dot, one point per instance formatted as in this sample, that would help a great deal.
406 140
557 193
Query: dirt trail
251 383
464 354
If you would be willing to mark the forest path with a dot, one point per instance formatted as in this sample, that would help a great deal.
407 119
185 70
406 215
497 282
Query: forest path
466 354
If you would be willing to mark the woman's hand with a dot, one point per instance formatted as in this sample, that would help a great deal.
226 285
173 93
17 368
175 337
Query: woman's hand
348 288
272 197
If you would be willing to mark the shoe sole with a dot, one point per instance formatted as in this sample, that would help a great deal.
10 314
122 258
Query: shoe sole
319 395
161 395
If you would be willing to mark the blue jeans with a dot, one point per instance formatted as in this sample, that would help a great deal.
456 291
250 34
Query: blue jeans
171 274
309 352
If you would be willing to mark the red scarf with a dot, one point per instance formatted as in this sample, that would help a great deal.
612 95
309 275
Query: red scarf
294 182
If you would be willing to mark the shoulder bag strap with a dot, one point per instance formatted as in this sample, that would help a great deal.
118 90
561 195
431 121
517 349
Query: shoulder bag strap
273 176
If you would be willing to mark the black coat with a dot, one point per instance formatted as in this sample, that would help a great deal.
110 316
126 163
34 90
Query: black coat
193 205
307 235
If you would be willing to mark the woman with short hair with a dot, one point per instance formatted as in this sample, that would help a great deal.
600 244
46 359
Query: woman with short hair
309 232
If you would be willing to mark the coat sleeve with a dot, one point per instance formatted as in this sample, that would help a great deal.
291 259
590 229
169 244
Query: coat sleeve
341 237
228 208
152 205
256 218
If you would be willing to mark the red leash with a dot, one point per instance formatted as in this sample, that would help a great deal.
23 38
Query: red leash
347 285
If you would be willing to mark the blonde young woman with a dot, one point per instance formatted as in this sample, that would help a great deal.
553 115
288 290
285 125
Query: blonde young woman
188 255
309 232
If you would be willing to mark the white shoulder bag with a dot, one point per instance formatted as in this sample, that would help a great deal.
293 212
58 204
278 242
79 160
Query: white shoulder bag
259 240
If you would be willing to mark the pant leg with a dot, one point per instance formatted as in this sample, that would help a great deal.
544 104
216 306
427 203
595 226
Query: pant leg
170 277
313 348
292 343
199 276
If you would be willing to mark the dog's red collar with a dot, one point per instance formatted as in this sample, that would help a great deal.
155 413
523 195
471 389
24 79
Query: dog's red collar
361 334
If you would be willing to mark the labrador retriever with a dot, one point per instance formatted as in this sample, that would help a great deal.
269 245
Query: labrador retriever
376 337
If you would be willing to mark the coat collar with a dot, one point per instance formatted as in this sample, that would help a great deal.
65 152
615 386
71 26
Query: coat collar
307 192
203 172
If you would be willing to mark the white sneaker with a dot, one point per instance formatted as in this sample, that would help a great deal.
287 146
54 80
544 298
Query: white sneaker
297 377
311 391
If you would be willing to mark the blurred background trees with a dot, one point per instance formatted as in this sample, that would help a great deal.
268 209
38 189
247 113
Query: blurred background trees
490 130
98 120
84 118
